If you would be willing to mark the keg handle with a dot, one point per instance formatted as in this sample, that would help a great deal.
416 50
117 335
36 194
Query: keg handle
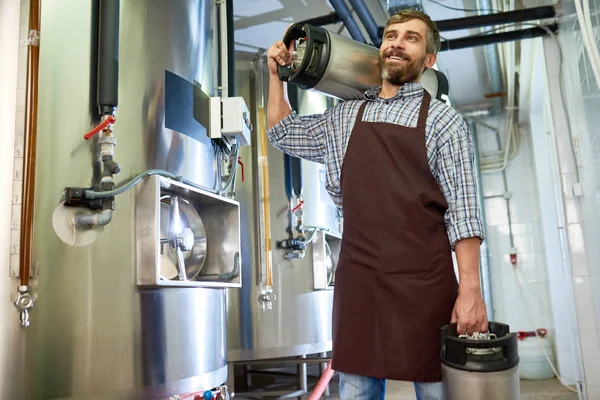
315 56
456 348
295 32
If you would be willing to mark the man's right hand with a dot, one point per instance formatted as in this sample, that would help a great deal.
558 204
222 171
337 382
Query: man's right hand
278 54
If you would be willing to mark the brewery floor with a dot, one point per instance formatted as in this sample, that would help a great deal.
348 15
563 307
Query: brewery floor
530 390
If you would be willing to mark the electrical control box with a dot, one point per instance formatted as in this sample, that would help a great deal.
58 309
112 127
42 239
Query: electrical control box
230 118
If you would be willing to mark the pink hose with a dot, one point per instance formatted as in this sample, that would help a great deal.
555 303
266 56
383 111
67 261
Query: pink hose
323 382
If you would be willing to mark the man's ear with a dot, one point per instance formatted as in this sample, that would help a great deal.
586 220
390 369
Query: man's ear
430 60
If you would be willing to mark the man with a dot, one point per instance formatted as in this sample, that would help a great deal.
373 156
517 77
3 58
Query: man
401 166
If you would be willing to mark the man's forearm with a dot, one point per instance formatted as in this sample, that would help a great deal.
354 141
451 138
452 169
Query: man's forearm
467 255
278 107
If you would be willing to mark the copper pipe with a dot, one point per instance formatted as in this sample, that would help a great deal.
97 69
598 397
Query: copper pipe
33 54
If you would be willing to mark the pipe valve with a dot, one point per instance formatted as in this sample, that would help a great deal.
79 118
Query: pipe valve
24 304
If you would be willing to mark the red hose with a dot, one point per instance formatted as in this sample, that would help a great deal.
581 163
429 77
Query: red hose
323 382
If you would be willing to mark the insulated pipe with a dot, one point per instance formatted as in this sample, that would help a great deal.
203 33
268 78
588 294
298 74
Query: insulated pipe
297 185
367 20
343 12
108 57
287 165
502 18
295 164
483 40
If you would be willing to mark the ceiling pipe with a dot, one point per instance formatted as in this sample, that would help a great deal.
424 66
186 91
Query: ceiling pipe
368 21
487 40
479 21
343 12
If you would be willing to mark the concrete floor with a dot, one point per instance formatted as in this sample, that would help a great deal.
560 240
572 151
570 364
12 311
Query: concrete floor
530 390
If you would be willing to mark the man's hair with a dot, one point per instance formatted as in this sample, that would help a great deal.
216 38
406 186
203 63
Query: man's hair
433 33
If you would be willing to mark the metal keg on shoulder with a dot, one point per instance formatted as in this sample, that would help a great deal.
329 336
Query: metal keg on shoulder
481 366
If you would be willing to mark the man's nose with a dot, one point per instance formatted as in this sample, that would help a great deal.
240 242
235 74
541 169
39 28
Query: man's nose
399 44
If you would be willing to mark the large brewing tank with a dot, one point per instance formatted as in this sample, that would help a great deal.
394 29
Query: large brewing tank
341 67
482 367
297 321
99 328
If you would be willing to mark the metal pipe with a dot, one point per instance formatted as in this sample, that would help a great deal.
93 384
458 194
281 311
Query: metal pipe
501 18
484 257
492 60
302 375
483 40
367 20
107 89
223 47
90 221
284 361
345 15
230 49
30 142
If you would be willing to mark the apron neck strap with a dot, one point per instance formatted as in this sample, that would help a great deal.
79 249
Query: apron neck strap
424 109
423 112
361 111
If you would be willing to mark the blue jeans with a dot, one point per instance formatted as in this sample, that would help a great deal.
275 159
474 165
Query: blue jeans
357 387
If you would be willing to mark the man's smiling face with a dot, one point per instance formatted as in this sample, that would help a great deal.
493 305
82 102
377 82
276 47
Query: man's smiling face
403 55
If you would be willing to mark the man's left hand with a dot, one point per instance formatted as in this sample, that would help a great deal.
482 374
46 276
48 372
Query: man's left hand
469 313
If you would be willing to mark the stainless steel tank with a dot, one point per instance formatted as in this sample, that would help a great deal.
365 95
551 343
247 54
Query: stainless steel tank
481 367
341 67
296 320
100 327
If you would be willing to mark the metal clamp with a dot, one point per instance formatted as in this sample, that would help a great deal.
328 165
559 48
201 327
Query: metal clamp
24 304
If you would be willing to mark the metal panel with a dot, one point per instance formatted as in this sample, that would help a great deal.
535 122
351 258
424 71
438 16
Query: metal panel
299 322
221 220
12 73
92 331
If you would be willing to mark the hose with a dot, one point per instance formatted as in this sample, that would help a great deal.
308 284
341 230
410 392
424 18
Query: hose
323 382
91 194
524 299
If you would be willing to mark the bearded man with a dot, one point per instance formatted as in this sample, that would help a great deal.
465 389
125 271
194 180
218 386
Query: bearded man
400 167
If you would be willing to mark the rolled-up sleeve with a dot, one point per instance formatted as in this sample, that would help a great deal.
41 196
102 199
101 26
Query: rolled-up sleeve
456 175
301 136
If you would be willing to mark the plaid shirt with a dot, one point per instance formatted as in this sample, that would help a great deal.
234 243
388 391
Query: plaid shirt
323 138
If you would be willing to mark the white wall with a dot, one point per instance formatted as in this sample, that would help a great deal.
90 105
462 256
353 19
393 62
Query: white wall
574 120
520 291
551 209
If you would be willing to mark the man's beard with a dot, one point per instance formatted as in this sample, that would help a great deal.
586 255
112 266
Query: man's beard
397 74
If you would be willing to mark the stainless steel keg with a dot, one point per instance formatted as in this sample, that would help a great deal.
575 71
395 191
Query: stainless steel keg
482 366
337 66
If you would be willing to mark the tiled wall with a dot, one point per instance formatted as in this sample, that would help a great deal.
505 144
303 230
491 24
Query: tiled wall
575 121
520 293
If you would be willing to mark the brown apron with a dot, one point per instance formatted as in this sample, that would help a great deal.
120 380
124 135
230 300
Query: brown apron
395 285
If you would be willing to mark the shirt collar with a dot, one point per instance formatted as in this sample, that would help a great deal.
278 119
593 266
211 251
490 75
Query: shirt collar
406 91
